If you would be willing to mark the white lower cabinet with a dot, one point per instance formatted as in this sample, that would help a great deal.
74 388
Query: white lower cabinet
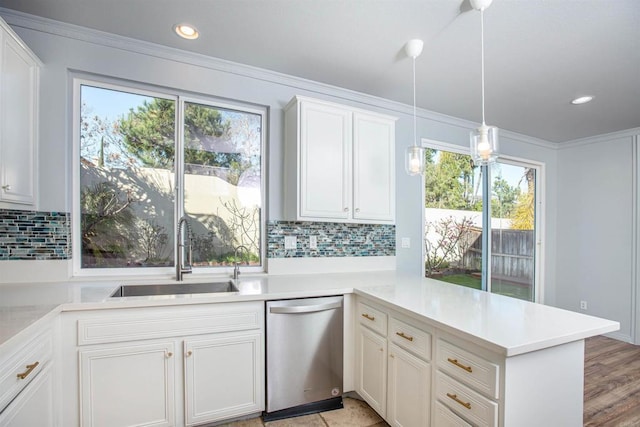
372 369
163 366
130 385
34 406
27 370
409 389
222 377
436 377
393 374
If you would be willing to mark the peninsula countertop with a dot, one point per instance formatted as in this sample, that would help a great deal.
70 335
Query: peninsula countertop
502 324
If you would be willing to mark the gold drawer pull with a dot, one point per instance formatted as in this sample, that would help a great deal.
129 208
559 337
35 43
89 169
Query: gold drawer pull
459 365
455 397
30 368
366 316
406 337
189 353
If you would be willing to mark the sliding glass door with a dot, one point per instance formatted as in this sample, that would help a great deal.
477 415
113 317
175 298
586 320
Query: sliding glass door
453 226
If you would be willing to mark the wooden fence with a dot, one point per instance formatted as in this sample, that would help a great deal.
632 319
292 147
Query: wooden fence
512 254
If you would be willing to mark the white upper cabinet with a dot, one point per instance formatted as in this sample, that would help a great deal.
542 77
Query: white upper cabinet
19 71
373 168
339 163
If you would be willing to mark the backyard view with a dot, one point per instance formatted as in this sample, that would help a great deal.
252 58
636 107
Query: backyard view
130 152
453 224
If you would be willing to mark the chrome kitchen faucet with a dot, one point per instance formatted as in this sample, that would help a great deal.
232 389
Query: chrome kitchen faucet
236 264
180 244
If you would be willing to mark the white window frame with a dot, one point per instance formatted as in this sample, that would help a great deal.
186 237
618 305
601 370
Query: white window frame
179 97
538 285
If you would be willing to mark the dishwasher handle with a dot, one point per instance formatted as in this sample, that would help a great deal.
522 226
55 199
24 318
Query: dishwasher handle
305 308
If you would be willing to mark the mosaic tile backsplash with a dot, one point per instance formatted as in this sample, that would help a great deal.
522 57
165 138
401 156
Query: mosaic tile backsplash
29 235
333 239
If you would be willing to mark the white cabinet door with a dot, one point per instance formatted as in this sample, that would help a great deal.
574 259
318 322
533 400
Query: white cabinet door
408 396
224 376
130 385
325 161
373 168
372 366
34 405
18 120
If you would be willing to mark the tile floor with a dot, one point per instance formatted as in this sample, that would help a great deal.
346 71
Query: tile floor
355 413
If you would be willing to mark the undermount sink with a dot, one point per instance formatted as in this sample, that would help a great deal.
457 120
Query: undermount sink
175 289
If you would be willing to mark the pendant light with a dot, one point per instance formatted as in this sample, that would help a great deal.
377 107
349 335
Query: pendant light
414 156
484 140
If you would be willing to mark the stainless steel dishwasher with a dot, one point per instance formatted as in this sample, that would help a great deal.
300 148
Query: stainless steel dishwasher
304 356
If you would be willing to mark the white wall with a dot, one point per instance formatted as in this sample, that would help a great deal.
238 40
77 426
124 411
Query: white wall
65 49
595 241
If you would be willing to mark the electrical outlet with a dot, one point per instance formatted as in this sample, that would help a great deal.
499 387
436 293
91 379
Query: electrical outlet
313 242
583 305
290 242
405 242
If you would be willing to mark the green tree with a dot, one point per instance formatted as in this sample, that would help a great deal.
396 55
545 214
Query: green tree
148 133
449 183
506 196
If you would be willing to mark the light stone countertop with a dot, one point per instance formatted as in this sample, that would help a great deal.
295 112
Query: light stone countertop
504 325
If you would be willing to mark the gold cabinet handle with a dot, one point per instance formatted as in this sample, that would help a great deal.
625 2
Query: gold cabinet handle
366 316
455 398
406 337
459 365
189 353
169 354
30 369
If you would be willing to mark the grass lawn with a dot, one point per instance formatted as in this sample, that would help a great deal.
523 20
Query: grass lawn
497 286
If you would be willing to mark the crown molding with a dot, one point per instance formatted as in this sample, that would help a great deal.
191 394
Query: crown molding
49 26
627 133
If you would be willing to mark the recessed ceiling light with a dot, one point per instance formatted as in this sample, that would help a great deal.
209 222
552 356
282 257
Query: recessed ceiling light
186 31
582 100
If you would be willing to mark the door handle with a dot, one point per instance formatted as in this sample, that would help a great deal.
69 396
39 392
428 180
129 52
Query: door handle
305 308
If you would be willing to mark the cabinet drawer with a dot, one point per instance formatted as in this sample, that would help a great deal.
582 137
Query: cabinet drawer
410 338
472 370
19 368
122 325
465 402
443 417
372 318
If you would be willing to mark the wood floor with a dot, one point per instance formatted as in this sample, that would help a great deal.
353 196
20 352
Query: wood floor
611 383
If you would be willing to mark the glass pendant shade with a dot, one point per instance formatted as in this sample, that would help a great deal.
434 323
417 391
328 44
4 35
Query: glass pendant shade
484 144
414 160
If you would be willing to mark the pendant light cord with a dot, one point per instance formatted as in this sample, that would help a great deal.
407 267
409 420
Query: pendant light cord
482 58
415 144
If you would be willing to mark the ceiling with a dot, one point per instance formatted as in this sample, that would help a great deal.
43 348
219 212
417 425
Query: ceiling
539 54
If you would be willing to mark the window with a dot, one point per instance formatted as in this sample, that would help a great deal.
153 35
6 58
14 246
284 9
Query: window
146 159
453 224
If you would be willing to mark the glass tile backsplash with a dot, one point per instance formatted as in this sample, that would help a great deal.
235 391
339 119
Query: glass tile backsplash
28 235
333 239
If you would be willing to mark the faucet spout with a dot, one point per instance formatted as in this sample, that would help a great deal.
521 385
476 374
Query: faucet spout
183 235
236 264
